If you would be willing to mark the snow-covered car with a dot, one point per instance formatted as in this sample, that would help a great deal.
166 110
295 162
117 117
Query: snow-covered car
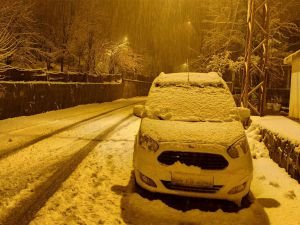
191 141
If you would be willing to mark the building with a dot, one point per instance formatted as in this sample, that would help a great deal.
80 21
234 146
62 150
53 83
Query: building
294 61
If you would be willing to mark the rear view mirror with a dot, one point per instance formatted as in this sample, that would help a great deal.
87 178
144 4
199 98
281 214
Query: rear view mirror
139 111
244 114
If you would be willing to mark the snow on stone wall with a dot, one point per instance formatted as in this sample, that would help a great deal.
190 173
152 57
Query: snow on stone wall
281 137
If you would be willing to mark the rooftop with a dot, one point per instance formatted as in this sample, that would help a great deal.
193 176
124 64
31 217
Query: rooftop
289 59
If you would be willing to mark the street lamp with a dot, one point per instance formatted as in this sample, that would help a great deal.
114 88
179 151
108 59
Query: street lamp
189 33
185 66
189 23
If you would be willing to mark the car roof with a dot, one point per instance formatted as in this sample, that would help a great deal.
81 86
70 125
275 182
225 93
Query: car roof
189 79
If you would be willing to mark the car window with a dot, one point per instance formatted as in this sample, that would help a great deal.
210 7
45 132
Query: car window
191 103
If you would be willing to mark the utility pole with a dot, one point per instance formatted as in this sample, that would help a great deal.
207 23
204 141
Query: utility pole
255 80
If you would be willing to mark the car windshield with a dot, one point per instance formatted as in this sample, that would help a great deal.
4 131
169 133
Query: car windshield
191 103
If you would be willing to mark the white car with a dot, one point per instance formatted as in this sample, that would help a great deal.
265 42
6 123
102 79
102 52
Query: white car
191 141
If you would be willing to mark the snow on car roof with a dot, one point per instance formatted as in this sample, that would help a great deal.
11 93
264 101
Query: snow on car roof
192 79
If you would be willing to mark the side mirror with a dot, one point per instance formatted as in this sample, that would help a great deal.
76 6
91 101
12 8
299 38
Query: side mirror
139 111
244 114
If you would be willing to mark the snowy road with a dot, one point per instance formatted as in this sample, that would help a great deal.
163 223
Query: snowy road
46 151
76 169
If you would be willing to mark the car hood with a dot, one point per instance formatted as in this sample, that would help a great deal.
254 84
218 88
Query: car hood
222 133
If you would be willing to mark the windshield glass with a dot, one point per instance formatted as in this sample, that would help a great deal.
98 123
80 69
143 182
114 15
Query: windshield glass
191 103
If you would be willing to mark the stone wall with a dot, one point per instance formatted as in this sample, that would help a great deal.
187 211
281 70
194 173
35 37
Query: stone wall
135 88
17 74
28 98
284 152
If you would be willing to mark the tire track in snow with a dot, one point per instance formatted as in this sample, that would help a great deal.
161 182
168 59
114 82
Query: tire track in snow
27 208
23 171
5 128
9 151
89 195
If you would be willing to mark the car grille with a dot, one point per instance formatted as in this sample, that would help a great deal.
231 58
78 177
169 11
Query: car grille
170 185
205 161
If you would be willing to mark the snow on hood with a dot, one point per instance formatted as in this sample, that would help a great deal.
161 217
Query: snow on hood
223 133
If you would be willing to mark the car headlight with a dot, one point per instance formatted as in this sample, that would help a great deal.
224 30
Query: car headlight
148 143
239 147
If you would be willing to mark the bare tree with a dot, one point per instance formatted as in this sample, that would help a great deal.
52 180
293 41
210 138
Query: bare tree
225 33
8 46
55 22
282 27
20 43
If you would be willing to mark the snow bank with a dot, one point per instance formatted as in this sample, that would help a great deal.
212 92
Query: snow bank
257 147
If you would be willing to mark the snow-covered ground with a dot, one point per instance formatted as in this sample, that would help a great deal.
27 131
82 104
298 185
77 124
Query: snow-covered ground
101 190
23 131
30 174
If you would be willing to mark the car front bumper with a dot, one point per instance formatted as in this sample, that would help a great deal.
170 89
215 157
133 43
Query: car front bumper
238 172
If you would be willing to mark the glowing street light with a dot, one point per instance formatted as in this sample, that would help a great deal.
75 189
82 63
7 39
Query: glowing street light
189 33
184 67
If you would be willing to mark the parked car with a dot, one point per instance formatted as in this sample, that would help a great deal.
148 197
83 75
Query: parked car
191 141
